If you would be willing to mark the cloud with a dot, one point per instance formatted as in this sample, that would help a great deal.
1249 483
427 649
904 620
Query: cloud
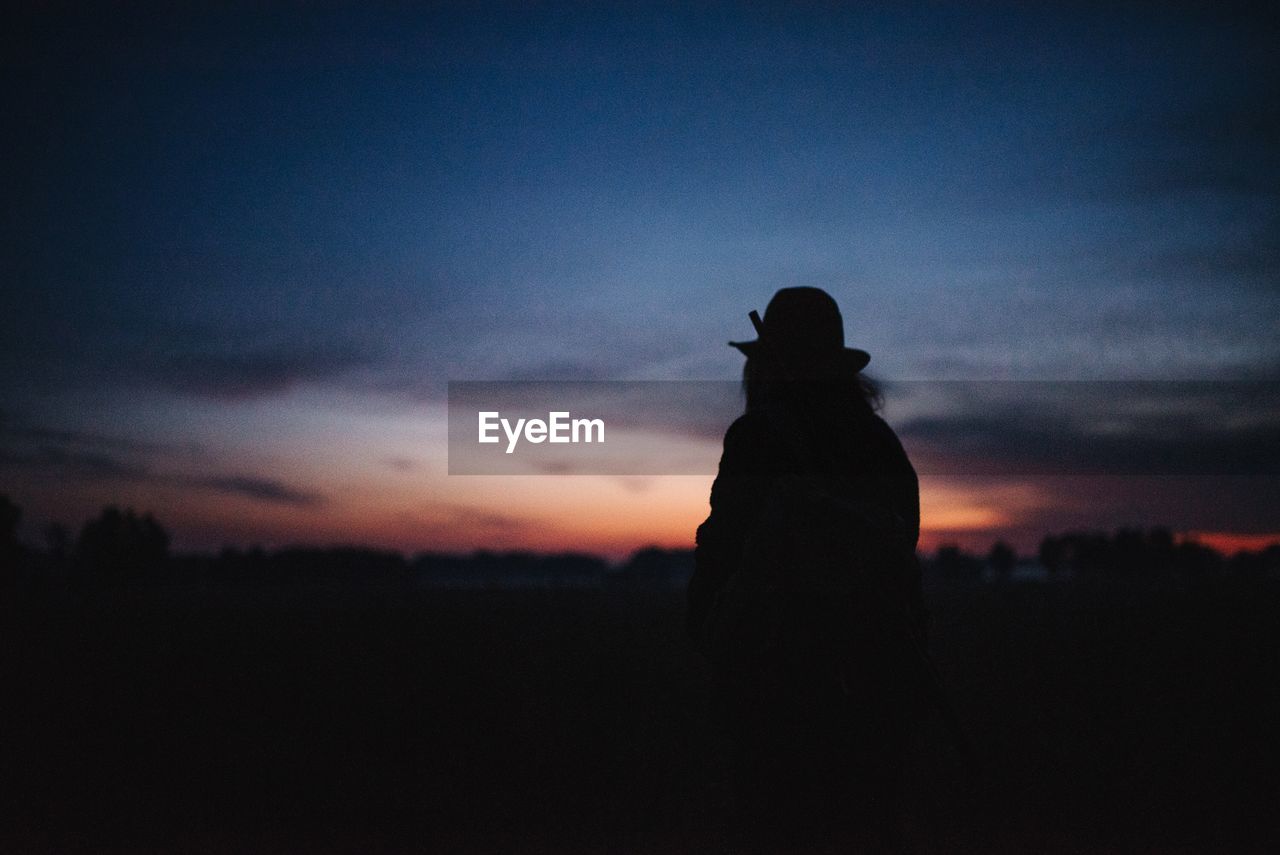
1236 503
73 464
1205 176
1229 145
1205 429
64 438
248 374
1251 257
482 519
267 490
446 523
602 366
1041 447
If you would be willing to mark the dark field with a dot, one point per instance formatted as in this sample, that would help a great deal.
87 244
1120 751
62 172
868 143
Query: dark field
1109 718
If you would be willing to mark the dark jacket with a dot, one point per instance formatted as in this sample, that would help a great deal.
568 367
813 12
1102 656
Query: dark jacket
864 450
810 755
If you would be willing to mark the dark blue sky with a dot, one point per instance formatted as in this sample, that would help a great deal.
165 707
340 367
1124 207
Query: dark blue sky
237 239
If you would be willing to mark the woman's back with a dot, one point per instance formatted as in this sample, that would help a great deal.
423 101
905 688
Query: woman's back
806 591
860 460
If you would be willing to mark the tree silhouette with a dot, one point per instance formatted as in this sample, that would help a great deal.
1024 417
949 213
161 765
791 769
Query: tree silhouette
121 545
955 564
1001 558
1052 553
11 550
57 540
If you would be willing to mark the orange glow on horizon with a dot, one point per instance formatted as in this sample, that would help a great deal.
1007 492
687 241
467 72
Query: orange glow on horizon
612 516
1229 543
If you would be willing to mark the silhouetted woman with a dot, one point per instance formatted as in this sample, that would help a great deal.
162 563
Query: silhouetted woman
806 594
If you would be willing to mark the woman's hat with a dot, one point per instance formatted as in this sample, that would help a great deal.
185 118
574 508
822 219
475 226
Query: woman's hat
804 324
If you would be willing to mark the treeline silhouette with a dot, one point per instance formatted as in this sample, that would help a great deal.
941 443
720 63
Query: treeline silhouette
1126 553
316 699
124 547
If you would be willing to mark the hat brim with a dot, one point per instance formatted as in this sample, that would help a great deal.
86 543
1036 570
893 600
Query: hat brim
855 358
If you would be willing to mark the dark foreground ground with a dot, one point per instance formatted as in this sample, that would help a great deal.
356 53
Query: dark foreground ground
1109 719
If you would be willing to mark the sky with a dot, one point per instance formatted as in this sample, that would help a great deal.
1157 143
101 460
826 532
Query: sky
246 249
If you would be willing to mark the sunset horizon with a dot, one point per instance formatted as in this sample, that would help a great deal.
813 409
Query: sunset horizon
248 255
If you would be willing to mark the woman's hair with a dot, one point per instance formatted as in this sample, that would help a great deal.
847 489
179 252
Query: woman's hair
824 385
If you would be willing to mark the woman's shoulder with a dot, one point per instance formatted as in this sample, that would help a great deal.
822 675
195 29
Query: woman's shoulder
880 428
751 445
887 440
749 431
